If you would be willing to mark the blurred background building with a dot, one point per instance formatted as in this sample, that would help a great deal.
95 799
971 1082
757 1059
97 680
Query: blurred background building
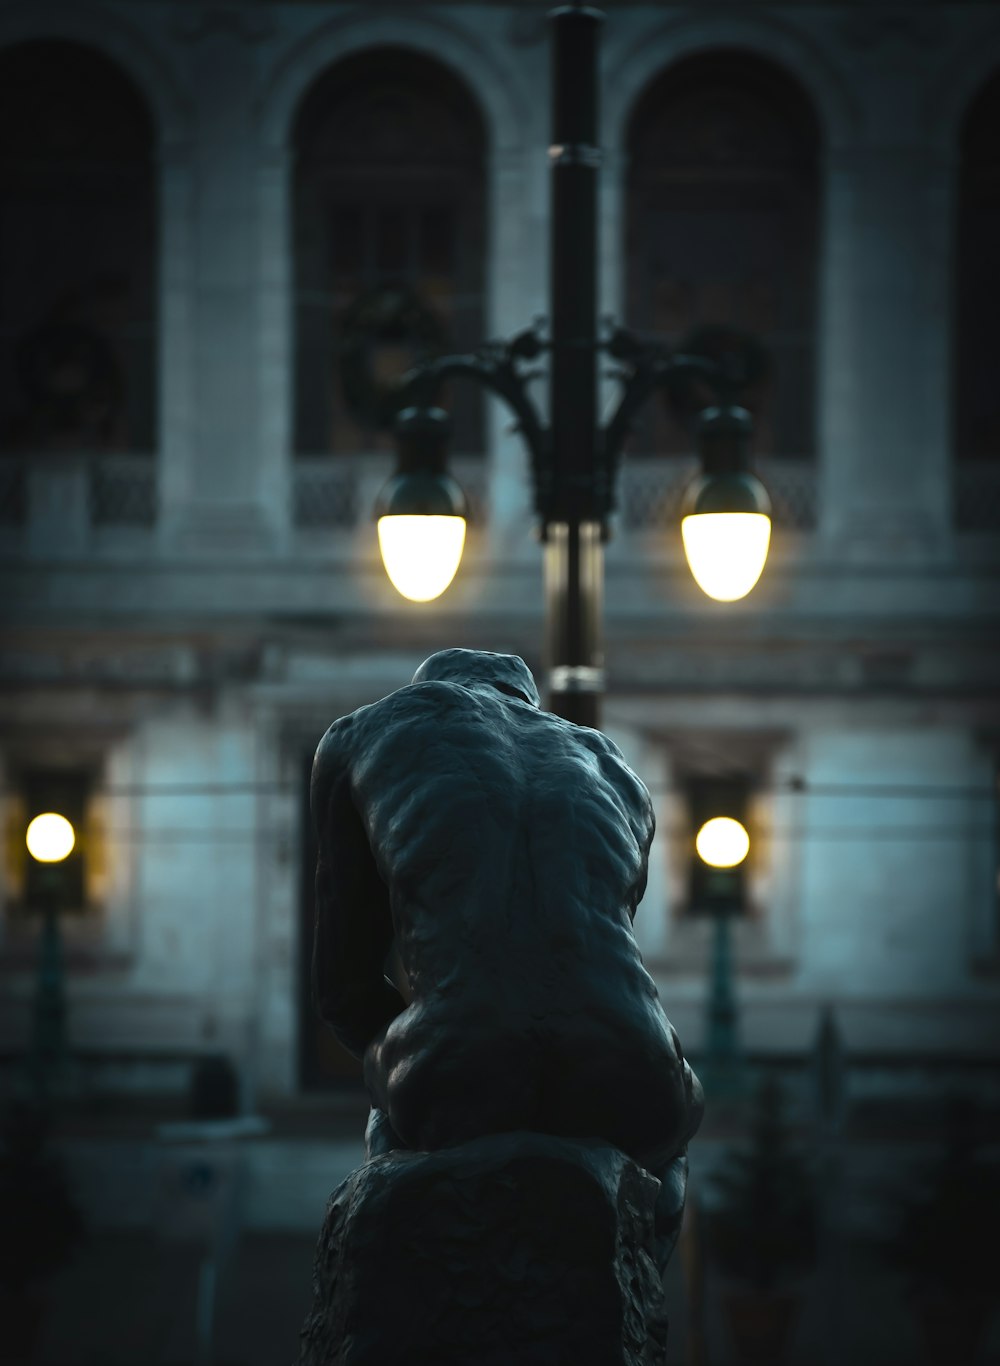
199 201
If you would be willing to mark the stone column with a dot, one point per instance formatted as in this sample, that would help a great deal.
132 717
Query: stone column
517 275
219 495
516 295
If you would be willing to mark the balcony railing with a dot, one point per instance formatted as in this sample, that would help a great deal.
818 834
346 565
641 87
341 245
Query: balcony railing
652 491
69 502
122 491
324 494
330 493
59 498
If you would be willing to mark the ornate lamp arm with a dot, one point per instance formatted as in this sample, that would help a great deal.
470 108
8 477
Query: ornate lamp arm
648 366
495 366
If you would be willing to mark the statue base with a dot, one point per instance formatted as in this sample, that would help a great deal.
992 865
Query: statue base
516 1247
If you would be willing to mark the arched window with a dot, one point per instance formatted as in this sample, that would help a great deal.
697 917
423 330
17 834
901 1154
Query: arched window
722 229
977 286
389 245
77 254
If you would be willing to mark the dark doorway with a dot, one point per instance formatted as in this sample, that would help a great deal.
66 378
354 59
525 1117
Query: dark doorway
323 1064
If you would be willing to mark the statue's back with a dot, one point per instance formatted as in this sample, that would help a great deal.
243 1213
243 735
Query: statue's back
483 808
514 848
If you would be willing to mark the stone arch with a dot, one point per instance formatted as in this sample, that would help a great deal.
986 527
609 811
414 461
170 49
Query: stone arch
348 35
102 31
648 55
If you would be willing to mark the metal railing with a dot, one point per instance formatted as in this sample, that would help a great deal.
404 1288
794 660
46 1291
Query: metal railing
329 494
652 491
332 492
78 490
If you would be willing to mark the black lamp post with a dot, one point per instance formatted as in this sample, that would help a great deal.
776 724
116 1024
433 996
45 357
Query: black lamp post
50 838
575 460
721 846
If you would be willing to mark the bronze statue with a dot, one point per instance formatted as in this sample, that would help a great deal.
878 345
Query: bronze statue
504 851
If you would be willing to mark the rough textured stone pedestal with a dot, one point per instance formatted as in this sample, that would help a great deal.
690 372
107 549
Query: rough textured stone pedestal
516 1248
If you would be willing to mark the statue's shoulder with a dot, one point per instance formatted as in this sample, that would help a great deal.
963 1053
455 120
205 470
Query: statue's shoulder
337 738
351 735
603 747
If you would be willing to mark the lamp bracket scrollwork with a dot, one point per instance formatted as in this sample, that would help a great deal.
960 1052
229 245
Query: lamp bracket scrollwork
725 363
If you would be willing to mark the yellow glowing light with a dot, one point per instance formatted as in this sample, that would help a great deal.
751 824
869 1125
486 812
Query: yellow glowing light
726 551
50 838
421 554
722 842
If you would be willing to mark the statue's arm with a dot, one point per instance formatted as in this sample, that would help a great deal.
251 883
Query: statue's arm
643 827
353 918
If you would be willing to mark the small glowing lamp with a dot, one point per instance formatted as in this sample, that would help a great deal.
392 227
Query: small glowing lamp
722 842
422 511
50 838
726 514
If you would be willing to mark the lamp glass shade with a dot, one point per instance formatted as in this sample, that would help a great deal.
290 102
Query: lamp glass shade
726 551
722 842
50 838
421 554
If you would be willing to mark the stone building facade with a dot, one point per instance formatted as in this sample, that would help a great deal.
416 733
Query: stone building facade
190 578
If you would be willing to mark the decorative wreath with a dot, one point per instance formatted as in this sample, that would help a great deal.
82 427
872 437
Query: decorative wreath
387 313
739 352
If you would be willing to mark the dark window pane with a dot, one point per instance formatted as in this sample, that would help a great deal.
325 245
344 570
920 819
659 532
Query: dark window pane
390 153
722 223
437 241
348 249
391 254
77 253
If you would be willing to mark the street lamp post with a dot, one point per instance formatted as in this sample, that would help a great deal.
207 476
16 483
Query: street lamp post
575 460
579 499
50 839
722 844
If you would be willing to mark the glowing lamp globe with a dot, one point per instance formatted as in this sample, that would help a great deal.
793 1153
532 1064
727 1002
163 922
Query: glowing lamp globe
421 552
50 838
722 842
726 530
421 512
